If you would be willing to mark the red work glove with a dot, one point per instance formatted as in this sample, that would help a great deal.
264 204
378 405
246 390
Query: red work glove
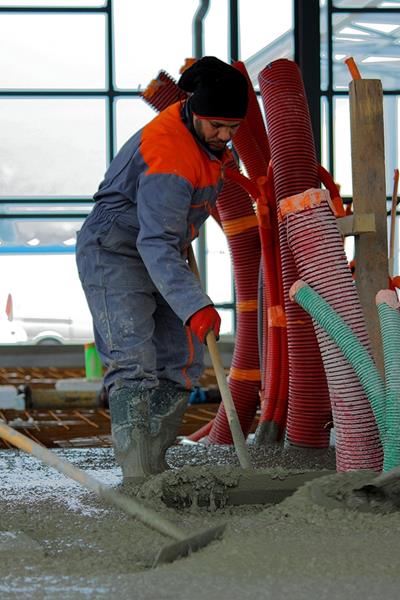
204 320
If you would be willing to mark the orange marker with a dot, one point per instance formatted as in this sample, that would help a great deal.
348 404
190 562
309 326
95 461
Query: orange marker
354 72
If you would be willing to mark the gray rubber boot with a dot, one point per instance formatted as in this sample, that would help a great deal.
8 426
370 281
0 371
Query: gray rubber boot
130 419
168 403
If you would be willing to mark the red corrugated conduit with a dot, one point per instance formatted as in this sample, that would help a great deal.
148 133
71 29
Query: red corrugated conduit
275 369
201 433
274 393
251 143
254 120
295 169
241 228
162 92
249 152
316 244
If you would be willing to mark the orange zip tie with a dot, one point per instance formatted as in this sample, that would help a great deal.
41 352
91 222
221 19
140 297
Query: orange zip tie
354 72
309 199
245 374
276 316
235 226
247 305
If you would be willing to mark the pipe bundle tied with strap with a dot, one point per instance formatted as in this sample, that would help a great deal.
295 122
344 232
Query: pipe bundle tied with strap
295 169
317 247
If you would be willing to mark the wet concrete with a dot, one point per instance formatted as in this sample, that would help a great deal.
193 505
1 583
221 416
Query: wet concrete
312 545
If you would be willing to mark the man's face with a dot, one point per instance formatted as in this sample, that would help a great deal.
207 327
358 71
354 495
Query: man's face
215 133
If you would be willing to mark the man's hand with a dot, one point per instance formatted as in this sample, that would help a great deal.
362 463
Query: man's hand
204 320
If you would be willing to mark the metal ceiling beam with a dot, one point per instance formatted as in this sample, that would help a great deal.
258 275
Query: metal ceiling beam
307 56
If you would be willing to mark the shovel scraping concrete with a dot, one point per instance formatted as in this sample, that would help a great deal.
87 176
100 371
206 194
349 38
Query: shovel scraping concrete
183 544
383 488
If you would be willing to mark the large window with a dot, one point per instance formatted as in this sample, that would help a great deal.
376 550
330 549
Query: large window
72 74
369 31
266 34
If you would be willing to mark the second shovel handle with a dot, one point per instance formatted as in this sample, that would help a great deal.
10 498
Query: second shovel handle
230 409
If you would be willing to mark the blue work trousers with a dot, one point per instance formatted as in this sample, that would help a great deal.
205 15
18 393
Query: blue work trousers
139 338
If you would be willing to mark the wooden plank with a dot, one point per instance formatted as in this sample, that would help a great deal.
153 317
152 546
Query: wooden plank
88 427
369 196
356 224
52 398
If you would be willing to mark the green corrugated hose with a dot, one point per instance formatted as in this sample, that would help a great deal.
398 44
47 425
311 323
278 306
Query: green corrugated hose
350 346
385 401
389 318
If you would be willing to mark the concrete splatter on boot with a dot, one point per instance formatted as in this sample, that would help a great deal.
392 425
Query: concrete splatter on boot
168 403
130 418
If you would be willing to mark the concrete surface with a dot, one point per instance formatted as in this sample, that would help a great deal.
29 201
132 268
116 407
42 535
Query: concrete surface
73 546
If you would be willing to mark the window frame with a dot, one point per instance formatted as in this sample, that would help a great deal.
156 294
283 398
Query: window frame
111 94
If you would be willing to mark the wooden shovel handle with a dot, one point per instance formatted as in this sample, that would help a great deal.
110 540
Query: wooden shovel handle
230 409
126 503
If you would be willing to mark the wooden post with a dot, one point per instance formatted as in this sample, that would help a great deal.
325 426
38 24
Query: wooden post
369 196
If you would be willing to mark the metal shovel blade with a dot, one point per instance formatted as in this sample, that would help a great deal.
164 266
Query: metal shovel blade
188 545
383 488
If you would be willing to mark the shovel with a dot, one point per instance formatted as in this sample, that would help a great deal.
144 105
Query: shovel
183 544
383 488
230 409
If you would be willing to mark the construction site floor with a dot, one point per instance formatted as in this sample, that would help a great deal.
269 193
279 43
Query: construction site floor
59 541
87 427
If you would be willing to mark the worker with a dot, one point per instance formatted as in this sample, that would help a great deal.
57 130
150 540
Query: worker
150 314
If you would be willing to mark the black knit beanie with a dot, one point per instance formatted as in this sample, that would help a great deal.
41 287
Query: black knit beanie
219 91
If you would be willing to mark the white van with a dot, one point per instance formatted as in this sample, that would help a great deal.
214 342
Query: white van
43 329
44 300
11 332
